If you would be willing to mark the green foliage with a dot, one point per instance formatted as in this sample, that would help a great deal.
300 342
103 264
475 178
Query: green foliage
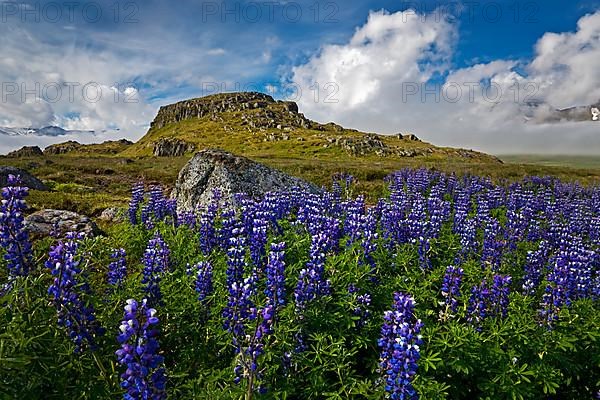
513 358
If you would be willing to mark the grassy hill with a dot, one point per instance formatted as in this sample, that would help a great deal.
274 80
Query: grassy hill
254 124
89 178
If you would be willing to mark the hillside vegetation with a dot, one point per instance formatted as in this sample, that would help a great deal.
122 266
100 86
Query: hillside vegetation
89 178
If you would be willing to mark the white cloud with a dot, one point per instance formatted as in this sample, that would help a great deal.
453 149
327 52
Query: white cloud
216 52
393 55
388 50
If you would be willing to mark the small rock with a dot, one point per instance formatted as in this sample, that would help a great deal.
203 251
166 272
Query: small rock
42 223
113 214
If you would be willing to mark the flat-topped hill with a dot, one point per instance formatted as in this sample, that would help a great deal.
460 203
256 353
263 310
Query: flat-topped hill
255 124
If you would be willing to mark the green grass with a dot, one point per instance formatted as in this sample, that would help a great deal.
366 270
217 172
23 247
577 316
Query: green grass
89 184
555 160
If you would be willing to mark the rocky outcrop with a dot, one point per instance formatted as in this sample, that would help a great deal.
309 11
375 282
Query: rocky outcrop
43 223
268 113
26 178
106 147
63 148
411 137
172 147
26 151
230 174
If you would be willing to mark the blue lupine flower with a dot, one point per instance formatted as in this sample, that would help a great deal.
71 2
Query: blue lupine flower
144 377
451 290
258 242
206 224
137 197
363 302
399 343
67 293
534 268
156 263
13 236
236 256
275 276
489 302
492 245
204 283
228 224
311 282
117 269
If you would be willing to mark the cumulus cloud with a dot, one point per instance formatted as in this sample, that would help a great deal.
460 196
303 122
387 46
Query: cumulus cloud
393 75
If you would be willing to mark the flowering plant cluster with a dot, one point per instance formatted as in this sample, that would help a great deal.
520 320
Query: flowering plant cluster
13 236
68 293
494 286
144 376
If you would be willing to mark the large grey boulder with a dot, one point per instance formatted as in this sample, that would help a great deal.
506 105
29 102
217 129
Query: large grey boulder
27 179
43 223
217 169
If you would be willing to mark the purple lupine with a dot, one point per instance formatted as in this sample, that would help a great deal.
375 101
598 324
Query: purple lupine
499 300
363 302
368 242
275 276
236 257
156 263
171 211
206 224
187 218
491 253
355 212
555 296
534 268
137 197
258 242
117 269
204 283
451 291
229 222
156 208
144 377
239 304
489 302
399 343
468 239
13 236
66 293
248 366
311 282
570 278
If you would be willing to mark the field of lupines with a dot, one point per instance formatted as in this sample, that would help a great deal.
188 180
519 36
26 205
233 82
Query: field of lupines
449 287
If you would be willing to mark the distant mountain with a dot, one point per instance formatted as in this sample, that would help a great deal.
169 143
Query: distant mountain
52 131
540 112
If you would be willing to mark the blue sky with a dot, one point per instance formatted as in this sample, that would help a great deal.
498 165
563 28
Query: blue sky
362 54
